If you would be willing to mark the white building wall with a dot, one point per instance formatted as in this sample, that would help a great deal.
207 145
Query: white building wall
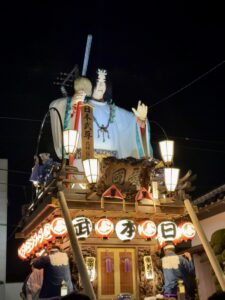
3 223
12 291
209 226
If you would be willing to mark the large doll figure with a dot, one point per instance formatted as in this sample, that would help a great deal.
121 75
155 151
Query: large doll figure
117 132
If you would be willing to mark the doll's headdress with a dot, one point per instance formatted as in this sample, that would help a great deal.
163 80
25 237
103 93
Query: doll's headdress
101 75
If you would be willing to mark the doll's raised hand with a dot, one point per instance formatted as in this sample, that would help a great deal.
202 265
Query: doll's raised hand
141 113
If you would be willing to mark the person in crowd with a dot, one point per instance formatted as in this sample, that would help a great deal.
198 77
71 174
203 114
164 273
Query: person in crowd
41 172
217 296
176 267
34 283
56 271
74 295
116 131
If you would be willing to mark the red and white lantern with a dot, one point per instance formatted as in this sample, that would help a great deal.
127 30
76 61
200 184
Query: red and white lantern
58 227
104 228
147 229
187 231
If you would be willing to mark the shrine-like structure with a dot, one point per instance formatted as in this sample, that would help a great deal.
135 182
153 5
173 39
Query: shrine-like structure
119 223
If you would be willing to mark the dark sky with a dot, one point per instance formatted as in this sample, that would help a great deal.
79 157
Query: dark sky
150 52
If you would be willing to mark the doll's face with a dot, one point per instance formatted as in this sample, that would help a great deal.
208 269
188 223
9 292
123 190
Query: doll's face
99 90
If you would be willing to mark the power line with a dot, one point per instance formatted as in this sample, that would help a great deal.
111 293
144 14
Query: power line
203 149
189 84
20 119
191 139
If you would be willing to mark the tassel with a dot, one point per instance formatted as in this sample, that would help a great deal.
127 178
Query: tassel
108 262
127 265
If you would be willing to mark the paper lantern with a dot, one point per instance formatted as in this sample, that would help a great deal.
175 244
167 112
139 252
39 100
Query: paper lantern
58 227
125 230
40 237
22 252
104 228
82 226
47 234
167 232
187 231
147 229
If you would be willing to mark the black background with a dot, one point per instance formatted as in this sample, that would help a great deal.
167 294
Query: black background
151 50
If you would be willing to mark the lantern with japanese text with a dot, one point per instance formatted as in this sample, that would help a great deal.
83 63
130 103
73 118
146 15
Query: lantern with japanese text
82 226
58 227
147 229
104 228
125 230
167 232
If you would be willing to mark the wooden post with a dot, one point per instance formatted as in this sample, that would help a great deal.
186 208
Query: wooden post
77 254
208 249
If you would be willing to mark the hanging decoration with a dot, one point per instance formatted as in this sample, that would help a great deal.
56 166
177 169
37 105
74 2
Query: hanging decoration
167 232
125 230
104 228
47 234
108 264
127 266
90 264
147 229
187 231
148 266
58 227
82 226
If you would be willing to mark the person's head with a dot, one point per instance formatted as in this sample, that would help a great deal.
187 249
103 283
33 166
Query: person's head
54 249
169 247
83 84
102 89
217 296
74 295
44 156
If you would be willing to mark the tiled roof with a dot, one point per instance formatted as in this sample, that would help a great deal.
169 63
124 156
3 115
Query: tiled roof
213 196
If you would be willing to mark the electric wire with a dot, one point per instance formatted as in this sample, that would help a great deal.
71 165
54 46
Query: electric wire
187 85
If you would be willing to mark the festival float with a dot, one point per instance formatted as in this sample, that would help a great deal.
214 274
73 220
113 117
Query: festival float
111 213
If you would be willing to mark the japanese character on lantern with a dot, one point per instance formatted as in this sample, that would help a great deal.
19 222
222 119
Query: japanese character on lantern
125 230
167 232
82 226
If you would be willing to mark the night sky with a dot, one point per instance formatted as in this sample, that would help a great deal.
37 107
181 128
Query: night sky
151 54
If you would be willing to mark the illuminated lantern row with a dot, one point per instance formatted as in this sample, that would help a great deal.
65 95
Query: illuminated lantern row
40 238
125 230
